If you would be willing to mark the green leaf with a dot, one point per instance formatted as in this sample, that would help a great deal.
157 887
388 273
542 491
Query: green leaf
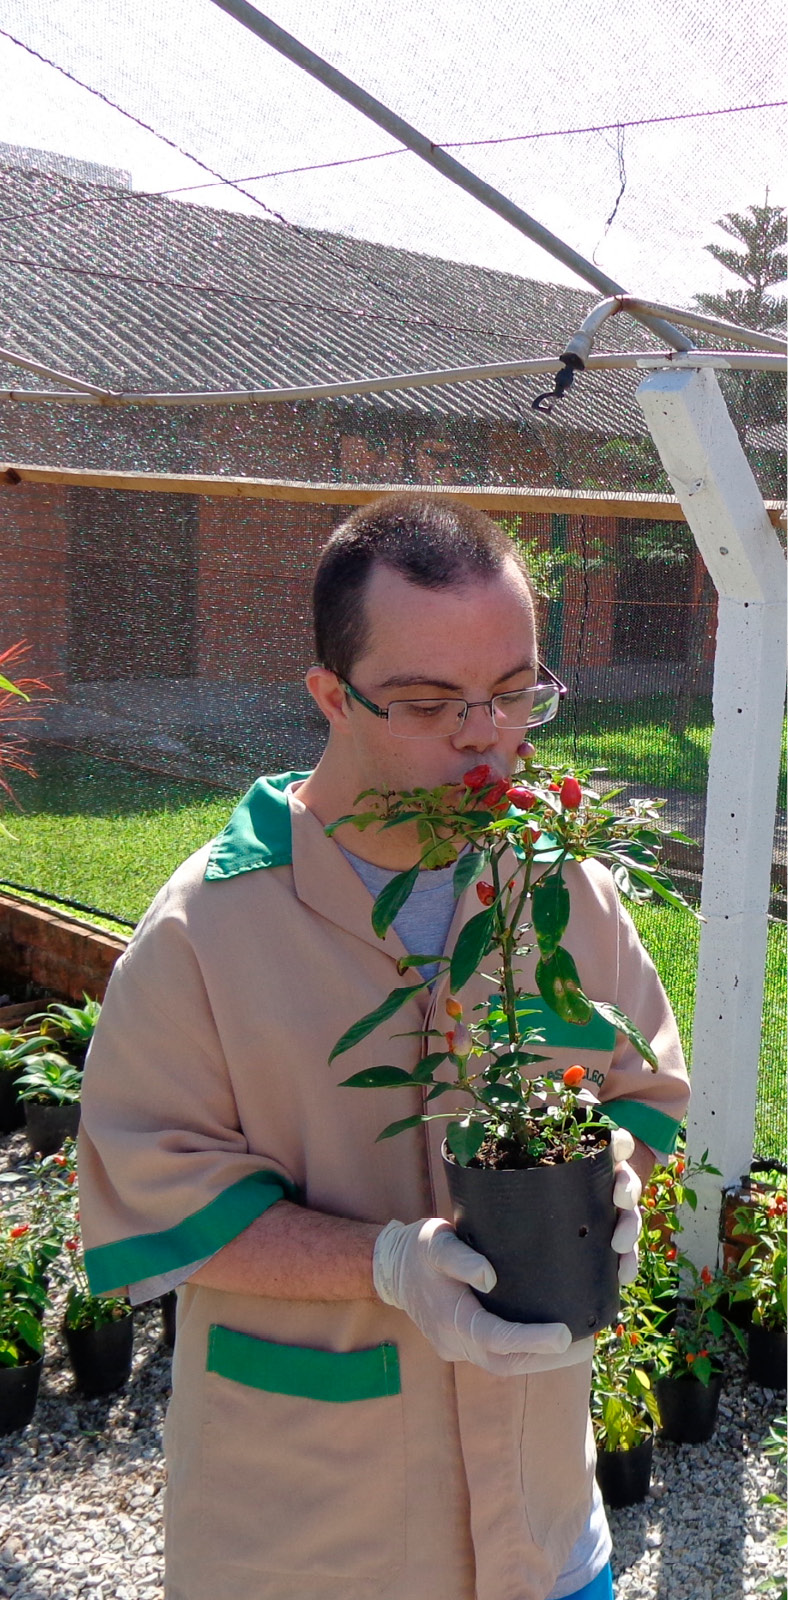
661 885
439 1089
634 853
465 1140
691 1199
392 899
360 819
423 1070
377 1078
625 1025
558 982
373 1019
419 961
471 947
29 1328
440 854
469 869
550 911
398 1127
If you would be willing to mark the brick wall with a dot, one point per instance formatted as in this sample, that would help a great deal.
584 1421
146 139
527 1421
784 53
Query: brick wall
34 523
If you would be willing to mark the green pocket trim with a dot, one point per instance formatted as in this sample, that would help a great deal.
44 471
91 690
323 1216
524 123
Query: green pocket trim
596 1034
654 1127
147 1255
309 1374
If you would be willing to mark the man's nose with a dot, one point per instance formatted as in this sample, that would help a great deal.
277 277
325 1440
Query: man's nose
478 731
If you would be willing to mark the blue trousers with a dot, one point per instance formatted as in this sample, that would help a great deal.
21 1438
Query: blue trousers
600 1587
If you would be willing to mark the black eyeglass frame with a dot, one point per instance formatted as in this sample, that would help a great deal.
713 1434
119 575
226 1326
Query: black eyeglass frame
470 705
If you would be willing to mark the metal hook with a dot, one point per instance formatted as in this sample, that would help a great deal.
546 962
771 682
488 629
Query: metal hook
544 402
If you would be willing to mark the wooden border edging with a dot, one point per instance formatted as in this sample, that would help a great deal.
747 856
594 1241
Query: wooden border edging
654 508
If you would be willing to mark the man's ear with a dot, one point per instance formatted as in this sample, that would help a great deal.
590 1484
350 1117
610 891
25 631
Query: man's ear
329 696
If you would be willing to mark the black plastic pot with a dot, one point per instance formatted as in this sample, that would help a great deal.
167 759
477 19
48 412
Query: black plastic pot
101 1357
547 1231
169 1305
18 1394
48 1126
12 1111
767 1356
687 1407
624 1475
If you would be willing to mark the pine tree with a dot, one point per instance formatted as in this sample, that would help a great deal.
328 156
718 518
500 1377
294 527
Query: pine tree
755 400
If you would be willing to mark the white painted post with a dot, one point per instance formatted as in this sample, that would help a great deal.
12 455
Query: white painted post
701 453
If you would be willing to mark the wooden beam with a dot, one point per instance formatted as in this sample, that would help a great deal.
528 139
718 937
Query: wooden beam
578 502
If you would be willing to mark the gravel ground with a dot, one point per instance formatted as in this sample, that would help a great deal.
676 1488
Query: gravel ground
81 1499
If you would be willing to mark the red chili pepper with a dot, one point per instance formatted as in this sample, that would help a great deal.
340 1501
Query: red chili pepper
706 1275
620 1330
703 1352
454 1008
574 1076
554 787
523 799
670 1255
60 1161
634 1338
71 1244
449 1037
690 1358
17 1233
477 777
680 1166
571 794
486 893
72 1178
496 792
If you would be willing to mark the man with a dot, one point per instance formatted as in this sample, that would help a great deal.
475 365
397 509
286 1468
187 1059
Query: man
346 1421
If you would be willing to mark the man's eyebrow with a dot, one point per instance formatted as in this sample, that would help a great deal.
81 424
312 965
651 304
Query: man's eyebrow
403 680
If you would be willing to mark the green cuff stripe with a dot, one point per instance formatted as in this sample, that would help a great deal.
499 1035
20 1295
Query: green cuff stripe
310 1374
654 1127
147 1255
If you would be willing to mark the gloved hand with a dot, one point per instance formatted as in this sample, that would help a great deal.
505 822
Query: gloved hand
626 1194
424 1269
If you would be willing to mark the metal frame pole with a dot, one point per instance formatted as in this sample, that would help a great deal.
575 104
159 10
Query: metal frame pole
706 464
438 158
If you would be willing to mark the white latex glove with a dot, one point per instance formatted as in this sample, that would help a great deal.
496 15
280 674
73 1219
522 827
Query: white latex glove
626 1194
423 1269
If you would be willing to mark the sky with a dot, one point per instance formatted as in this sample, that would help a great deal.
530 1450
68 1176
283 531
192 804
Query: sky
461 71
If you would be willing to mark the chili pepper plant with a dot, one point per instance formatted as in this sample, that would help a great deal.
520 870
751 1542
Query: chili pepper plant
512 842
55 1216
624 1411
762 1266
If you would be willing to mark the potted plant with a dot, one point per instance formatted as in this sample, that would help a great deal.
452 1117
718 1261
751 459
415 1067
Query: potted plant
22 1302
687 1360
655 1292
762 1286
524 1149
71 1028
623 1414
15 1049
49 1087
98 1329
740 1201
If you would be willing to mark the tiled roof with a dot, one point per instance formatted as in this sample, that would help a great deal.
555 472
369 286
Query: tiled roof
136 292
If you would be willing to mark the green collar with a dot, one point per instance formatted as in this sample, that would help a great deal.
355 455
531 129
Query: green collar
258 833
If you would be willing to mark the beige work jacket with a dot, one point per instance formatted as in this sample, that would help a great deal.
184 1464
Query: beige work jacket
324 1451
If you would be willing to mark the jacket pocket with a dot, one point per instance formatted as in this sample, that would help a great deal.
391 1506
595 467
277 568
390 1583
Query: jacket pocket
303 1458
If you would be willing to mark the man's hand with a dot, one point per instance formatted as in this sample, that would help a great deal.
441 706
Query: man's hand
626 1194
424 1270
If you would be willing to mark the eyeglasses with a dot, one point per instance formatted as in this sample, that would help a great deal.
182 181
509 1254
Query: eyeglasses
439 719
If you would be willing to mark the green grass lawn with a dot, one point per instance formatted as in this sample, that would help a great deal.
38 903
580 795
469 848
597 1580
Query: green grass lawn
109 836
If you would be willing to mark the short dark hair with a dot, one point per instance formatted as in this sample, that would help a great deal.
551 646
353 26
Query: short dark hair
434 541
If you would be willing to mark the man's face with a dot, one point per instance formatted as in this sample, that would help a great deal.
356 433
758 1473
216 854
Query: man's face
471 641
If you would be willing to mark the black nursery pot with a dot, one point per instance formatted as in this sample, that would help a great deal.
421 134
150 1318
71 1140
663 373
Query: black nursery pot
169 1306
687 1407
767 1356
547 1232
18 1394
12 1111
624 1475
101 1357
48 1126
